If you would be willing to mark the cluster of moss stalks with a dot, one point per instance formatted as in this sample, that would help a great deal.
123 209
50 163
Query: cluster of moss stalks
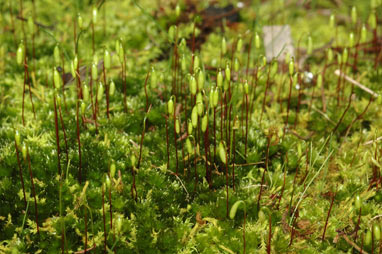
161 131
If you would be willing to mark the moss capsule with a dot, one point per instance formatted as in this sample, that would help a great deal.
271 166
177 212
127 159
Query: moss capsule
94 71
112 88
100 91
107 59
17 138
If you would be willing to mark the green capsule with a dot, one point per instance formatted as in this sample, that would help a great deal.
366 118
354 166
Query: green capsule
194 116
216 97
376 232
222 153
351 40
363 34
211 100
332 21
379 99
121 53
232 212
85 92
183 63
257 41
30 24
354 15
201 80
170 107
100 92
133 160
189 146
107 59
20 54
224 46
75 62
193 85
72 69
24 151
56 54
94 71
204 123
274 68
182 45
112 170
309 46
80 21
112 88
17 138
94 15
236 65
345 55
372 21
246 87
200 108
83 108
196 62
291 67
177 126
367 239
357 202
189 127
56 78
107 181
219 79
153 78
227 73
319 80
264 60
239 44
177 10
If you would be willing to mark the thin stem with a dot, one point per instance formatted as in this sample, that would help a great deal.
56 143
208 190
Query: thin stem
104 218
21 173
327 217
33 191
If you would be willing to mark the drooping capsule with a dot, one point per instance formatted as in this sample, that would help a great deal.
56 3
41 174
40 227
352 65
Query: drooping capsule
332 21
83 108
20 54
177 126
170 106
100 91
94 15
201 80
107 59
227 73
351 40
319 80
24 151
17 138
112 170
291 67
236 65
354 14
219 79
94 71
257 41
196 62
222 153
224 46
189 146
194 116
80 21
246 87
56 78
112 88
193 86
363 34
85 91
56 54
239 44
204 123
189 127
